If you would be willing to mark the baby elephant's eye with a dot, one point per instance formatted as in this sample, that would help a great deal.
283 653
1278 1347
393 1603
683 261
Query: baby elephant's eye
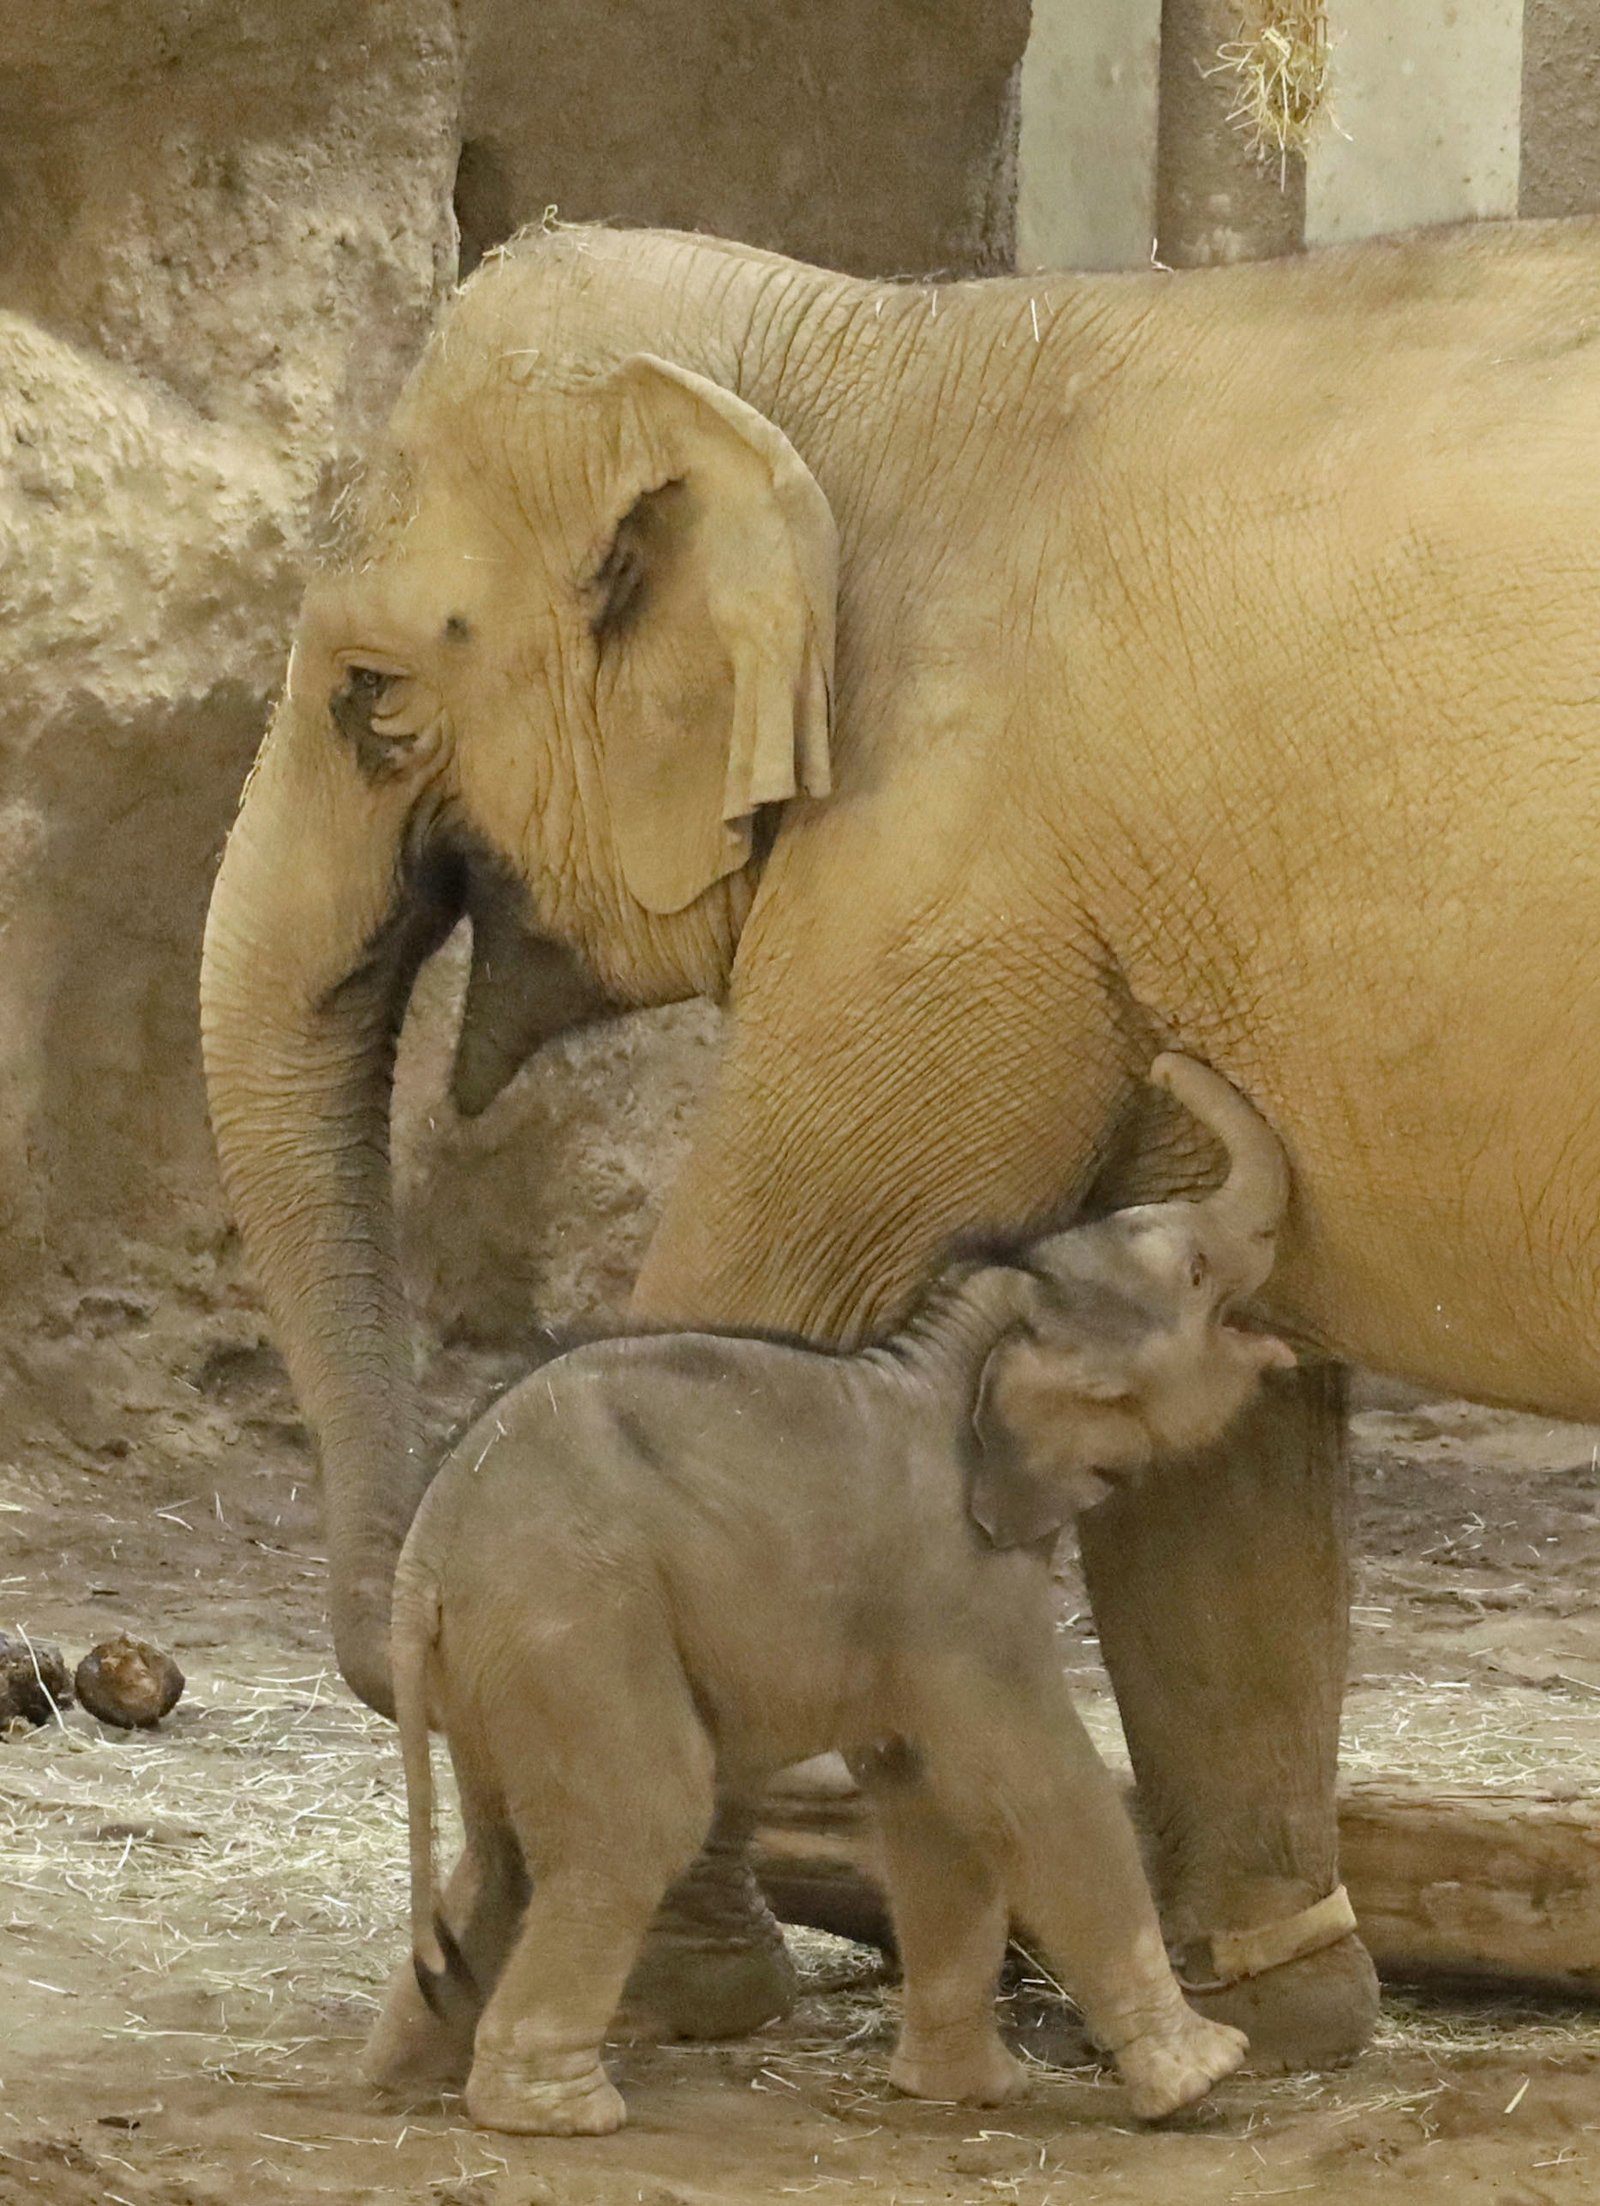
1199 1271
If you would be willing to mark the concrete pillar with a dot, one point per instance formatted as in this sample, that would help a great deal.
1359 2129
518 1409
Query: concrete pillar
1214 200
1560 107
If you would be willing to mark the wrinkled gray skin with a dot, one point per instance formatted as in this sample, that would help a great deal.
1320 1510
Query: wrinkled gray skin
665 1567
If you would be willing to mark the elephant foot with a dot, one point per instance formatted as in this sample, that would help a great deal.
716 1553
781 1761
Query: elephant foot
705 1987
1037 2019
509 2095
1172 2066
1317 2012
715 1964
411 2051
987 2076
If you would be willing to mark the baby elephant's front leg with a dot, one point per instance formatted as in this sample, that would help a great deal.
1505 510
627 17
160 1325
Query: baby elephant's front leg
1024 1773
1174 2055
950 1927
1176 2060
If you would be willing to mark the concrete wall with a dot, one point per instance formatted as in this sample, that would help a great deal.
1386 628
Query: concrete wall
1086 176
1427 105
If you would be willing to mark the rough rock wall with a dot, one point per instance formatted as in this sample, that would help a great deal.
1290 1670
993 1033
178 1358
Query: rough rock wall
224 230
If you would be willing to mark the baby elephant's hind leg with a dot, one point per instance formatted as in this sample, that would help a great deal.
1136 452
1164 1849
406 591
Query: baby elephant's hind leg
419 2046
950 1927
604 1837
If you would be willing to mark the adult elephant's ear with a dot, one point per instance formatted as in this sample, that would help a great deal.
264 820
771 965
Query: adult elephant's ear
712 603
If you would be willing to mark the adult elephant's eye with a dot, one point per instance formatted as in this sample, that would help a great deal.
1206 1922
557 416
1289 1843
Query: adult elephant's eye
381 713
363 694
1199 1271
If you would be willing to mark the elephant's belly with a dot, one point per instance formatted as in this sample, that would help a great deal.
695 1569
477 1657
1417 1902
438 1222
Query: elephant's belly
1375 900
1446 1223
1409 988
1521 1338
789 1688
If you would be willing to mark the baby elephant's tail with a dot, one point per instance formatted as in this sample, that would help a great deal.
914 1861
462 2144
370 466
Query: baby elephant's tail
438 1960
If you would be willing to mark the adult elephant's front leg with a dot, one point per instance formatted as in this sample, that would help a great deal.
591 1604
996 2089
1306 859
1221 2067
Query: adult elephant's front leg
1221 1594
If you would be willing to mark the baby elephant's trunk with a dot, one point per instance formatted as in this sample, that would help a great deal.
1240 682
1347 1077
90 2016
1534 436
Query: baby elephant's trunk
1247 1210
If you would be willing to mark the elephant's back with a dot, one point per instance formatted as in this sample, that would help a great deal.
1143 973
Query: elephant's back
646 1427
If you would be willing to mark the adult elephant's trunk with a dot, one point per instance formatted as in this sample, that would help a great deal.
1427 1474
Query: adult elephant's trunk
1247 1210
313 939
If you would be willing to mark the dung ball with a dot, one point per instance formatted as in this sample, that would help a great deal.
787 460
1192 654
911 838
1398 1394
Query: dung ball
31 1678
128 1682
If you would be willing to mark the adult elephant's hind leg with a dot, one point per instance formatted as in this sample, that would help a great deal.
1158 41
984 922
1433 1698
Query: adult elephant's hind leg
715 1964
1221 1595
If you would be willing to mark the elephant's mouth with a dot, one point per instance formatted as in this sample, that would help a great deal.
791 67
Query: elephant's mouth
1240 1323
1241 1319
432 897
524 987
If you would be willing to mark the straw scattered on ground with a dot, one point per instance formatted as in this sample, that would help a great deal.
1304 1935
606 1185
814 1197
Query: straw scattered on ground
196 1924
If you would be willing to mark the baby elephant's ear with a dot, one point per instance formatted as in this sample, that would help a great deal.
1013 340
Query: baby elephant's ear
1029 1421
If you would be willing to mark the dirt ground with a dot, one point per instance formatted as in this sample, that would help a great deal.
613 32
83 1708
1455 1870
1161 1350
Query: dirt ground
194 1924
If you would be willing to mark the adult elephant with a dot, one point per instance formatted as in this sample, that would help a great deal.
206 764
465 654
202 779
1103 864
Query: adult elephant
1217 663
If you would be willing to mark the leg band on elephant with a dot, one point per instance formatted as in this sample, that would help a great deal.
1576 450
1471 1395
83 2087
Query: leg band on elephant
714 1964
1221 1595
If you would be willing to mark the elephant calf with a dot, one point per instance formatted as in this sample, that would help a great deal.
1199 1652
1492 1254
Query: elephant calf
669 1565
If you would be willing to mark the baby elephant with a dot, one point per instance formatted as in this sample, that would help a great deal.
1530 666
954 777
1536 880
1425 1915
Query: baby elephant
667 1566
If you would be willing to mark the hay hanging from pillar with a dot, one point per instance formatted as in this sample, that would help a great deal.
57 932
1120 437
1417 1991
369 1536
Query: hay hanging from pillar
1280 59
